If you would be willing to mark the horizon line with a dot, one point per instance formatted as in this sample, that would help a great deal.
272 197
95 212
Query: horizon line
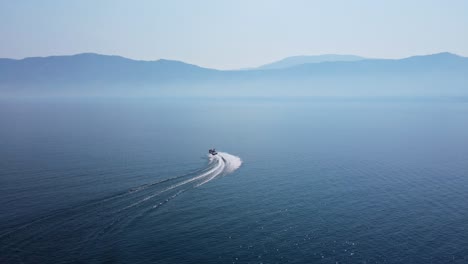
243 68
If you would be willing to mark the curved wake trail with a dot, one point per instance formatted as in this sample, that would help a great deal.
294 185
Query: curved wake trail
106 217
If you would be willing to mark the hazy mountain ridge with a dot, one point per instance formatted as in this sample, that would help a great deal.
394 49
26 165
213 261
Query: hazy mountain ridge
89 66
440 62
299 60
437 74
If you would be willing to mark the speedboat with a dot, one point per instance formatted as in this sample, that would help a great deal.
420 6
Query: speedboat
212 151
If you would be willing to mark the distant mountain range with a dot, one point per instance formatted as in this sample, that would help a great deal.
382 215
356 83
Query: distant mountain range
89 67
443 74
298 60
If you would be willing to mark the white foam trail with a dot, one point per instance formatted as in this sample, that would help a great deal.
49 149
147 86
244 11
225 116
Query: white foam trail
216 172
227 163
215 169
232 162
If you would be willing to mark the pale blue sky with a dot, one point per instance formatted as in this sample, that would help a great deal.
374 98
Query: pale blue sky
232 34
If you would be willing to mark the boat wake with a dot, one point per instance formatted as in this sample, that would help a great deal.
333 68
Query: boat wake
107 216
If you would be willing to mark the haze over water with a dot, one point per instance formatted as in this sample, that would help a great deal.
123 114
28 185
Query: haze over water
321 181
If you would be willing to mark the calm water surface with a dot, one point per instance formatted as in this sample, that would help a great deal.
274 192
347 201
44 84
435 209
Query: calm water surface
129 181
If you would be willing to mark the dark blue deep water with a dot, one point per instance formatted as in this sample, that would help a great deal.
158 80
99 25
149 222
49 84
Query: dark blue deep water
321 181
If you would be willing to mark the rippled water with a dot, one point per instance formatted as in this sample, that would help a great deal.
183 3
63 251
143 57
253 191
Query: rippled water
302 181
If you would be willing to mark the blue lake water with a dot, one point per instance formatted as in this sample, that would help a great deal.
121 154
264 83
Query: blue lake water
321 181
